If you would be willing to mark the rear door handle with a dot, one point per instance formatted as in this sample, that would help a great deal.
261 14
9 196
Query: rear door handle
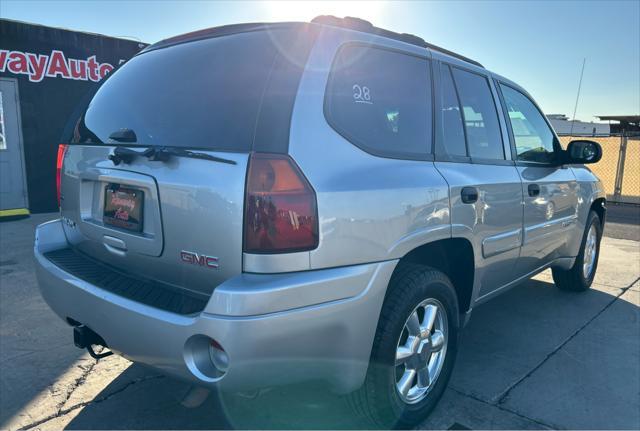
534 189
469 195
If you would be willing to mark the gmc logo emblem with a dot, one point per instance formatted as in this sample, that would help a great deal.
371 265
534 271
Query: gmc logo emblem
199 259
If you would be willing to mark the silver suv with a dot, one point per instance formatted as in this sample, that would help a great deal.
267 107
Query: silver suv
263 204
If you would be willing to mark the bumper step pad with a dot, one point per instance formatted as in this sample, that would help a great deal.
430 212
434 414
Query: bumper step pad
148 292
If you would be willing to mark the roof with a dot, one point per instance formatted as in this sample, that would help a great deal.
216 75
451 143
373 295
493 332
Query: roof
358 24
212 32
622 118
349 23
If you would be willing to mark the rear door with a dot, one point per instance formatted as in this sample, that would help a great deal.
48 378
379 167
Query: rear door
550 190
486 192
154 177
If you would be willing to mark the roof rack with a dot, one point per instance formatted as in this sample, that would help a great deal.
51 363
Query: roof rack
213 32
358 24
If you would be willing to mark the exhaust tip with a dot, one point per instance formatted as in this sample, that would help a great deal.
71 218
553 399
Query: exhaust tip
206 358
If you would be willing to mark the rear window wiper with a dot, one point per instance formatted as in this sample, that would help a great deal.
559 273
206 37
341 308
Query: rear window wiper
122 154
161 154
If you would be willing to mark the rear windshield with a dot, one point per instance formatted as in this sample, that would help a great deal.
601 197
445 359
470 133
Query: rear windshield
202 94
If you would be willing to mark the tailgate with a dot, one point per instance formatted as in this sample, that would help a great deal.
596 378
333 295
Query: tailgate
191 217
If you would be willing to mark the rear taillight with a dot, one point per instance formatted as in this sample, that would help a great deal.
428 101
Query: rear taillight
280 207
62 149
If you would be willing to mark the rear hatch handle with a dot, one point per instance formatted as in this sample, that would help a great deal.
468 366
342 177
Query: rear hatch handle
161 154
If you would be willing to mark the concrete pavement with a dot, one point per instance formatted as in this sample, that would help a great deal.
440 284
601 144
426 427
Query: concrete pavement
535 357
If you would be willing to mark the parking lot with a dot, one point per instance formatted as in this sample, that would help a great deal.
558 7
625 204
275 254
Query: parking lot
535 357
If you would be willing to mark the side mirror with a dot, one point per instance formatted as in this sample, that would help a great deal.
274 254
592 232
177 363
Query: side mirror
582 151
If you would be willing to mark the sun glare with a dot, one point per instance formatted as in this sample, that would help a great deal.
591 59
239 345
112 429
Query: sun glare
307 10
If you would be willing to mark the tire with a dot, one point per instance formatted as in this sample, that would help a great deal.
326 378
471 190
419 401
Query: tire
580 277
414 291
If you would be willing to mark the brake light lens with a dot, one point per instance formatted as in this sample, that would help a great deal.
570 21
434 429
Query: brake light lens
280 207
62 150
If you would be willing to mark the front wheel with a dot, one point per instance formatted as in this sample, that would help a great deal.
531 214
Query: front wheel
414 349
580 277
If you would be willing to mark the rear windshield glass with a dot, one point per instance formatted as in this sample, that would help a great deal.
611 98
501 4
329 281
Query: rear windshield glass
202 94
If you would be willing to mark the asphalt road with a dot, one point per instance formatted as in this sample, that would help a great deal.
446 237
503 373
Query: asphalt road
623 221
533 358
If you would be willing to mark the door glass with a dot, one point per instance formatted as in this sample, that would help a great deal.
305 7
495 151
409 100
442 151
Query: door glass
3 142
452 132
480 115
533 137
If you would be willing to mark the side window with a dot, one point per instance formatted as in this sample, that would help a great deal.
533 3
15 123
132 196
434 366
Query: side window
452 131
533 137
381 101
480 115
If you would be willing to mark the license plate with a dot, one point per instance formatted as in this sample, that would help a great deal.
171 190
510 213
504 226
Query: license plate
123 207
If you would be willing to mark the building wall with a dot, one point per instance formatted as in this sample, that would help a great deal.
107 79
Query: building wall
55 69
563 127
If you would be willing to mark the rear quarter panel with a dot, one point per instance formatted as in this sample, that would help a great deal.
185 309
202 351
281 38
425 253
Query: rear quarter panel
370 208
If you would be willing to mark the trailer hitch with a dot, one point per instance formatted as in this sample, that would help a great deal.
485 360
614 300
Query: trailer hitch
85 338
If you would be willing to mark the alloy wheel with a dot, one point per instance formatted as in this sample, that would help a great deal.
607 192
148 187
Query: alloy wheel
421 351
590 252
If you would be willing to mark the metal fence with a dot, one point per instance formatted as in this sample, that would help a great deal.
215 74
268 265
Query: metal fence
619 168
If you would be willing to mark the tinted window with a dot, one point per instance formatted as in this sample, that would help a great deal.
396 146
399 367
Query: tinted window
202 94
533 137
452 132
480 116
381 101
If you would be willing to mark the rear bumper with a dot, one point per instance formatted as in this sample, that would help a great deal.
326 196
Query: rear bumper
276 328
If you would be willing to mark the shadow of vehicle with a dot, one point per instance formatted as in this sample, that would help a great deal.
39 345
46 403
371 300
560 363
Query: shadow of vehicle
506 339
156 404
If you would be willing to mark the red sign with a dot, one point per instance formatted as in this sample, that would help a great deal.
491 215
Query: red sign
55 65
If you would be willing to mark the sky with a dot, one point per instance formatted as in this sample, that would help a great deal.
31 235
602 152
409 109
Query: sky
538 44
